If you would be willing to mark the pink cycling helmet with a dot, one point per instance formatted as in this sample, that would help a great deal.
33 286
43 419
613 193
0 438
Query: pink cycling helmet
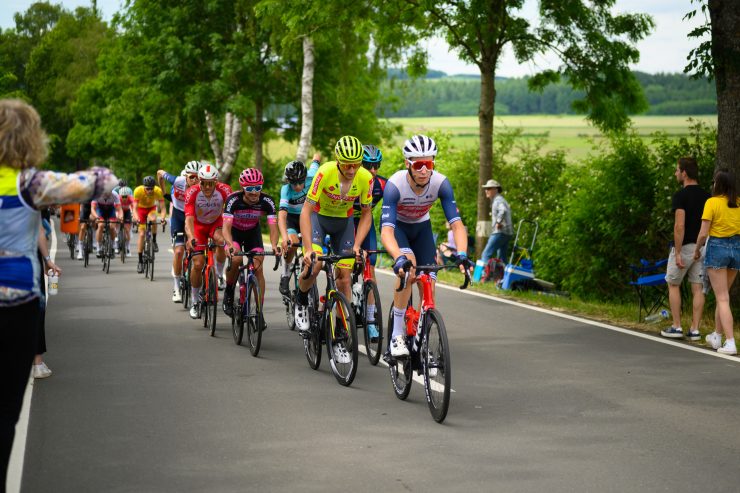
251 177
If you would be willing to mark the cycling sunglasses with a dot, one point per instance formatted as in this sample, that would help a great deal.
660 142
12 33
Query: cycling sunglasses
350 165
253 188
371 165
419 165
192 176
149 189
208 183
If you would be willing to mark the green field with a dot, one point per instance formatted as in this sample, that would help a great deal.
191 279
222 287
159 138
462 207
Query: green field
570 132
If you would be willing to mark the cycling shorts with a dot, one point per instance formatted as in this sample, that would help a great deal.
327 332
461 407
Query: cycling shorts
248 240
177 225
205 231
371 240
127 216
341 231
142 213
417 239
294 223
85 210
106 211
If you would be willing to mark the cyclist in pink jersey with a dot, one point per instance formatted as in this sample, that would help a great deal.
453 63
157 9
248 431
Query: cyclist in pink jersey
204 204
127 204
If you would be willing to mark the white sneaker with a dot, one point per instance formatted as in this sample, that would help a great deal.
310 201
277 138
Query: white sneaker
194 310
117 250
398 347
128 252
728 348
301 318
176 297
341 355
714 339
41 371
79 254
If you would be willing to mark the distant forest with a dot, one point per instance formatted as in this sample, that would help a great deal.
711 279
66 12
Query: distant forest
442 95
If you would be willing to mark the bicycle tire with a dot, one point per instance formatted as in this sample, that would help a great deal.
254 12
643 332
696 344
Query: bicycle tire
88 245
71 245
401 380
212 305
237 317
435 363
122 243
345 333
185 285
151 260
289 301
374 349
312 343
103 250
253 317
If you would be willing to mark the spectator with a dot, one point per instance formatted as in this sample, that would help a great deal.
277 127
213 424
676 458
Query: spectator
39 368
688 205
503 229
23 190
720 228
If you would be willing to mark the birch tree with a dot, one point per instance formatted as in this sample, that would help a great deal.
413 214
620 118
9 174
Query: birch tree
224 160
304 143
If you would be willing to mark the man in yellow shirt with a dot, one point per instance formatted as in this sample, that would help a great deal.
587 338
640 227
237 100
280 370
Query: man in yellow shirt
146 198
328 209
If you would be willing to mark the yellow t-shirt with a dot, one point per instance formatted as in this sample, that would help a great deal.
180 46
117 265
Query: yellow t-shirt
147 201
725 221
325 191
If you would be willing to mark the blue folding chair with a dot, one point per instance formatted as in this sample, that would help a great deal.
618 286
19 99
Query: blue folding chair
650 285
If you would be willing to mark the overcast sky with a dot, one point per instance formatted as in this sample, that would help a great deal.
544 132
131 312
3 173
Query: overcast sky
664 50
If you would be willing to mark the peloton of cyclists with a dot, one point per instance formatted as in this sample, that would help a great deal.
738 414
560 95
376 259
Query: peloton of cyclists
146 198
204 203
406 231
241 229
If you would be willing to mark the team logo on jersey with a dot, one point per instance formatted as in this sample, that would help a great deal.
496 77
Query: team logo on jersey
316 182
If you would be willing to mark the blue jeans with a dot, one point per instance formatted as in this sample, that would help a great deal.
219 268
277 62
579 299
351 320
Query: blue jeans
496 247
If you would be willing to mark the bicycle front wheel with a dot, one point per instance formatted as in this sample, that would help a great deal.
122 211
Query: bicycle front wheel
341 338
237 317
212 306
253 317
150 254
71 244
312 343
400 369
185 284
289 300
373 342
435 362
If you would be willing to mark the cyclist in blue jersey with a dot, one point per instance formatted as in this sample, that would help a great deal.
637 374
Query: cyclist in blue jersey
371 160
405 227
179 184
292 196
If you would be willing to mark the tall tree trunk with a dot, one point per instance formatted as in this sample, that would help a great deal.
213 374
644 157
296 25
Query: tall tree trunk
725 19
258 131
232 143
304 144
485 153
213 139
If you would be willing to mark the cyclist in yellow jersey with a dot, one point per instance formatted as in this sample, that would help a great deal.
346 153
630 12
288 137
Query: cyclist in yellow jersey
328 210
146 198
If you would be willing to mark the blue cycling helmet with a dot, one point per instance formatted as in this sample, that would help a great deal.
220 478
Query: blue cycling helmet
371 154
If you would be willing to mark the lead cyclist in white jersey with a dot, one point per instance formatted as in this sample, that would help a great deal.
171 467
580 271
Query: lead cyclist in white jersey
405 227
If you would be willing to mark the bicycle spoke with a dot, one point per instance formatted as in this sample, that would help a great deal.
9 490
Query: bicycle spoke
435 356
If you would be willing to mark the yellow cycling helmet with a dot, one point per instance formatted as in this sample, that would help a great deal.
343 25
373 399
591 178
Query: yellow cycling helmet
348 149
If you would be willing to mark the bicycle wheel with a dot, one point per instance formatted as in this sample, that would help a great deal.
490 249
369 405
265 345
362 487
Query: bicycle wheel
341 338
435 362
253 317
212 305
87 247
107 254
312 343
150 255
373 346
400 369
71 245
237 318
185 285
122 243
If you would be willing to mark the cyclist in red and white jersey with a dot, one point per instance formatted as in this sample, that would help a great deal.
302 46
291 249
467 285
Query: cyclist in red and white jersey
127 204
204 205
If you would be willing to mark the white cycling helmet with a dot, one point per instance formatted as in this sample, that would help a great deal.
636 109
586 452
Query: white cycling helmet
183 173
192 167
207 171
419 146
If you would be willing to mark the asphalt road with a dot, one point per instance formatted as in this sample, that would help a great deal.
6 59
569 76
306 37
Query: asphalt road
143 399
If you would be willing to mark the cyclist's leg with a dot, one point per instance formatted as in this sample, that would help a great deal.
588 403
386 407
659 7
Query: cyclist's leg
343 242
252 240
220 257
422 244
401 298
196 275
99 230
177 232
84 217
142 214
317 240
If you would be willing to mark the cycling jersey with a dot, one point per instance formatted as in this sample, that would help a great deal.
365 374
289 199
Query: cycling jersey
325 191
376 192
206 210
127 202
179 188
243 216
292 201
401 203
147 201
107 199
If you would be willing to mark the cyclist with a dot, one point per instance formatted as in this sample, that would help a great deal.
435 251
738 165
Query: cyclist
107 206
241 229
328 209
179 184
371 160
85 209
204 203
146 198
292 196
405 229
127 202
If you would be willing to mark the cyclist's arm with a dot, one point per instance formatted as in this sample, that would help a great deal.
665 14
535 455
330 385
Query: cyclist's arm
283 224
163 210
391 196
305 222
226 230
190 227
94 211
119 212
449 206
274 235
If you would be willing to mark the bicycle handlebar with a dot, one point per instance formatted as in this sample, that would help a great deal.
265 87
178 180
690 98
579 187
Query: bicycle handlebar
433 268
252 253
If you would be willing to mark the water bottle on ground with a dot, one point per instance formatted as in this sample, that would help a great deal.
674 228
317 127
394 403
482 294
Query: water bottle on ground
657 317
53 283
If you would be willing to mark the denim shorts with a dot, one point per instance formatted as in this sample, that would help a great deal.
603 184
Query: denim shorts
723 253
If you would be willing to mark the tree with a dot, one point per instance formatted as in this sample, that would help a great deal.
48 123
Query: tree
594 45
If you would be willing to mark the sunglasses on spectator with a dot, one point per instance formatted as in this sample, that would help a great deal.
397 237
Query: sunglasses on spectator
371 165
350 165
253 188
419 165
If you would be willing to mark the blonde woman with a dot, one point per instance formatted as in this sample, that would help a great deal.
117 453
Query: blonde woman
720 223
23 190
